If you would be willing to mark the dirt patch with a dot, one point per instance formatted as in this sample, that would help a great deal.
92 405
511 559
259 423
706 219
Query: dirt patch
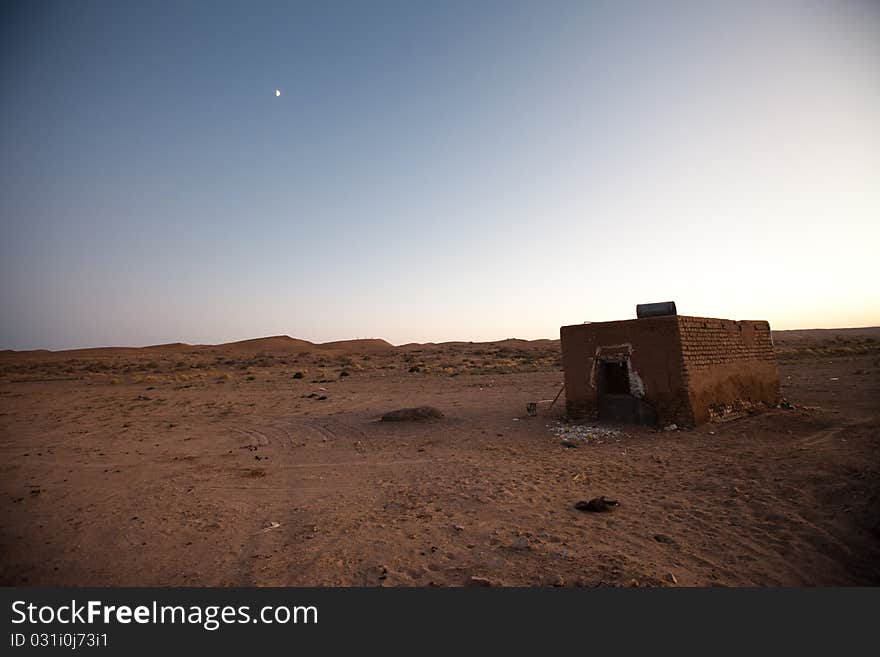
417 414
165 468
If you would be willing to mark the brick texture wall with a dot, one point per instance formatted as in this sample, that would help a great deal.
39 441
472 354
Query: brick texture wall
728 367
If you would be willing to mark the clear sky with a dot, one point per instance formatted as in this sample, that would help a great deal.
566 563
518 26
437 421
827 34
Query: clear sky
432 170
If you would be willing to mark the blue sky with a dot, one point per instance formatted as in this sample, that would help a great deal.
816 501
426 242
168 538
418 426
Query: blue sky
432 170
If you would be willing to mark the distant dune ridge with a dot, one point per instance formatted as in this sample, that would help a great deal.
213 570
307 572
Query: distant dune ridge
784 340
272 343
285 343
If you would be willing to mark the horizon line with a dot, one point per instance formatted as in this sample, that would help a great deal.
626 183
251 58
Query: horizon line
391 344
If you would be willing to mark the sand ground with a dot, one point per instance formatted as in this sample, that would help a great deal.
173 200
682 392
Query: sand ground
199 466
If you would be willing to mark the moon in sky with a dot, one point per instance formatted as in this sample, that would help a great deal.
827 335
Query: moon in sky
277 93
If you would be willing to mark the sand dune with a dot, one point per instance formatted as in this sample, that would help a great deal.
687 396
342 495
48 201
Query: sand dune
820 335
357 346
272 343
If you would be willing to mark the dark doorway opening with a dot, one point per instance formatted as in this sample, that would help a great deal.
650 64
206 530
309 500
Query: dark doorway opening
614 378
616 401
616 404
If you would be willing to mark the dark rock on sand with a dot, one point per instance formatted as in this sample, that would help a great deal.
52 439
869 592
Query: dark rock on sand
418 414
597 505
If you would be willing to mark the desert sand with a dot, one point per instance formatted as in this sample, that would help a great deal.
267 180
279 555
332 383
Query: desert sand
264 463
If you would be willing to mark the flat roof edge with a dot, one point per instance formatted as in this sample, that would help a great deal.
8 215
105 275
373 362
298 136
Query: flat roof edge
665 318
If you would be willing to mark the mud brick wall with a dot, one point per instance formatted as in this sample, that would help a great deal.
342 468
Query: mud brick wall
653 349
729 367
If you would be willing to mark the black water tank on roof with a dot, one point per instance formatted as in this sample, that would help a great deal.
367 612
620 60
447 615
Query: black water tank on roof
655 309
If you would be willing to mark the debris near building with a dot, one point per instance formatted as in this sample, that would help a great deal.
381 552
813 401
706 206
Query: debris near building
590 434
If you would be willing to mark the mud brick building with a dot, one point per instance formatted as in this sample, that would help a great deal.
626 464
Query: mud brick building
668 369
